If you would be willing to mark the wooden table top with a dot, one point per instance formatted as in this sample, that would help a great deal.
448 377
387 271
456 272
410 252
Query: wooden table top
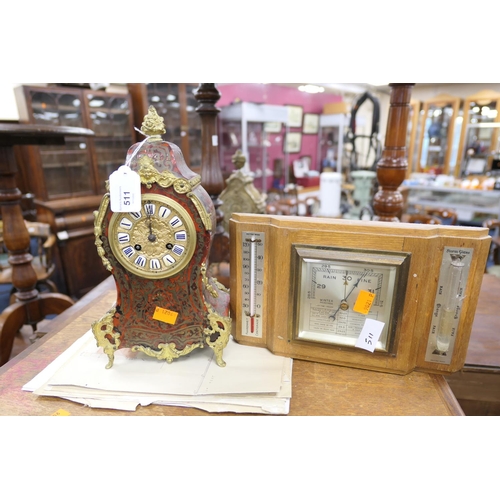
22 133
317 389
484 344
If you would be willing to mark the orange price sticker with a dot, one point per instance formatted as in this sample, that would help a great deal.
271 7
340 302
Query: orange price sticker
165 315
364 302
61 413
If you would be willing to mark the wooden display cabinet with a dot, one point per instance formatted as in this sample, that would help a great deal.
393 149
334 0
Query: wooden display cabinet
479 138
258 130
176 104
68 181
331 141
440 131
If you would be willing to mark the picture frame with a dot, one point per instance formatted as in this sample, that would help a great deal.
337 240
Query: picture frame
272 127
292 142
295 116
311 123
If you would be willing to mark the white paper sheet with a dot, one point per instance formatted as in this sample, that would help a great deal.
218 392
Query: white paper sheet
253 380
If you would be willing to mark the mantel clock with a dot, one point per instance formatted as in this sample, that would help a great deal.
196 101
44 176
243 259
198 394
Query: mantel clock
167 305
384 296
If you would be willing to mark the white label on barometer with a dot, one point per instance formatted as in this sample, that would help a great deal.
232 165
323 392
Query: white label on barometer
448 304
252 283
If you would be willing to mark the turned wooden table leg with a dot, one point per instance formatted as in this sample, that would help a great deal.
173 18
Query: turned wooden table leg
15 233
391 169
17 242
211 175
30 306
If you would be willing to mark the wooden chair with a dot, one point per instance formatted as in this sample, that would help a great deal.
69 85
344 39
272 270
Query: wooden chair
284 202
423 219
42 242
282 206
310 206
447 215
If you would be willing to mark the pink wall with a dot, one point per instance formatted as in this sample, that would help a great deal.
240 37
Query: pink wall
276 94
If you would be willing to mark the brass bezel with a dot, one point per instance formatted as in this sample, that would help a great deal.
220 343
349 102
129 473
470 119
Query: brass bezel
400 261
147 273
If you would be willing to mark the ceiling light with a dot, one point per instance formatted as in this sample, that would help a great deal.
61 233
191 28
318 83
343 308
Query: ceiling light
311 89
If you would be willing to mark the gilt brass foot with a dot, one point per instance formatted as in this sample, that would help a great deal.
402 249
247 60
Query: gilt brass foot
103 330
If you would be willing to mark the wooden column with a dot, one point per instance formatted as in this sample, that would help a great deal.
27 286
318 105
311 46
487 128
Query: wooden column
392 166
211 175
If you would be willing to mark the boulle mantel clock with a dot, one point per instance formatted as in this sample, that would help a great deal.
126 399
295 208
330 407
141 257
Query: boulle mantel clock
167 303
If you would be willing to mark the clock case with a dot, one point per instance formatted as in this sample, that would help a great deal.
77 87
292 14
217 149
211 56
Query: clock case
200 301
425 246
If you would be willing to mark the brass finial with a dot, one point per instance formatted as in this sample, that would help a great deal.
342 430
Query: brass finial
238 159
153 123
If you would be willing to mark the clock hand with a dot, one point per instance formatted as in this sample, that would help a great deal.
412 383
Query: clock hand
343 303
151 236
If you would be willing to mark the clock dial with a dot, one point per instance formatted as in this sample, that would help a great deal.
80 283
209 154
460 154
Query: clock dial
156 242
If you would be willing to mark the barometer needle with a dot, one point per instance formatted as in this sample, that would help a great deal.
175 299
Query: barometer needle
344 301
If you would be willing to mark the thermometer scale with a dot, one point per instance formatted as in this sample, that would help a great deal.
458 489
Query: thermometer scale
448 304
252 283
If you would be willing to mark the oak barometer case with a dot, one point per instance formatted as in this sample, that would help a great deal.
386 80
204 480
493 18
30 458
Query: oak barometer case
167 305
384 296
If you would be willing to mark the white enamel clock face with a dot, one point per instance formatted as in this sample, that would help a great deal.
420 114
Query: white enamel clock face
156 242
340 290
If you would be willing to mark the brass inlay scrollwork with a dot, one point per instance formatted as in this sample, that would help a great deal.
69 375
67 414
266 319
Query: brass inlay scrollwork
205 216
206 283
167 352
102 329
98 219
149 174
182 186
220 328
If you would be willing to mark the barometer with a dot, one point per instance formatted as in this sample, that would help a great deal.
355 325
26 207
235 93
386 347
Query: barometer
385 296
337 290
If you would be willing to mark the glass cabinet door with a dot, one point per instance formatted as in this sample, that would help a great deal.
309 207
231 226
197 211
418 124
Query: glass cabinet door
165 98
329 143
230 142
331 138
441 123
110 119
67 170
258 130
193 127
176 104
412 136
479 140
